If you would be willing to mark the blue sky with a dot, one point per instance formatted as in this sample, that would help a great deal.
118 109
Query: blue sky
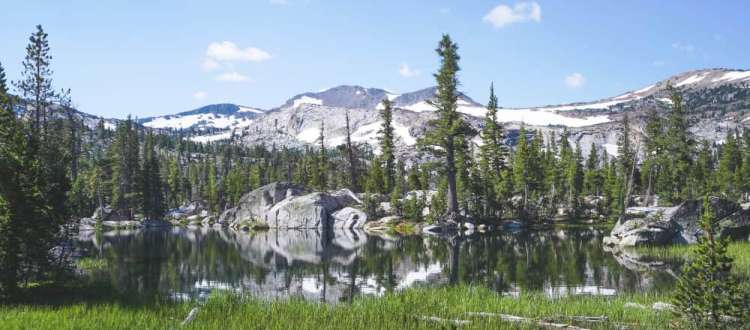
157 57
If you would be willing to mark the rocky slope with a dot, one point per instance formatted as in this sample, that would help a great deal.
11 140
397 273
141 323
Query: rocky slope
717 100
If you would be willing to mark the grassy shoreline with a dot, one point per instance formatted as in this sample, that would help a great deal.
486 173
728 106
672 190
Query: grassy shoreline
739 251
96 308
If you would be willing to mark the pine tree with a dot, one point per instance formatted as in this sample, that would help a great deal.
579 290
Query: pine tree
36 82
625 162
32 199
321 172
212 191
677 151
353 182
706 289
521 167
386 140
125 169
4 97
730 162
653 147
153 195
492 157
445 131
592 176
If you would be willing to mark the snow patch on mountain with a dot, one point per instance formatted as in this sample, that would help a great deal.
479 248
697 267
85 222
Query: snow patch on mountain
732 76
211 138
250 110
306 100
611 149
209 120
691 80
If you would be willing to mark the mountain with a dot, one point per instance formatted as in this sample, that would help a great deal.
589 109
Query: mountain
717 100
211 122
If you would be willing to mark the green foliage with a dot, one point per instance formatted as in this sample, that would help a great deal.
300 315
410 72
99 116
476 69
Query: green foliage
706 291
448 131
386 139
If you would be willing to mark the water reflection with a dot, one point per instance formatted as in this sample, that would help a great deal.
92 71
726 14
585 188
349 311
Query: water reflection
338 266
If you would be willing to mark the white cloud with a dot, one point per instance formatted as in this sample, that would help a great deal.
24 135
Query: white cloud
406 71
209 64
200 95
503 15
234 77
688 48
227 51
658 63
575 80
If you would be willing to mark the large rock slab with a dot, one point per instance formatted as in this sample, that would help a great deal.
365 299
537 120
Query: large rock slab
678 224
254 205
307 211
349 218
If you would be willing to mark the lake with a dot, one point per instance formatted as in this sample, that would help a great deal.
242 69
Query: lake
188 263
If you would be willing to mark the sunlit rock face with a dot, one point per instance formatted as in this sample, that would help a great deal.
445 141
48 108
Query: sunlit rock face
678 224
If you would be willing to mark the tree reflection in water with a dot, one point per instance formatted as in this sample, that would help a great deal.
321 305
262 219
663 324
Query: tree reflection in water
339 266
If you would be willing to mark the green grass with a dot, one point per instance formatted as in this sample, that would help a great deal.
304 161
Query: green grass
739 251
92 264
97 308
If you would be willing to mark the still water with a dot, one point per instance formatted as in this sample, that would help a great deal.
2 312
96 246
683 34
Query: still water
188 263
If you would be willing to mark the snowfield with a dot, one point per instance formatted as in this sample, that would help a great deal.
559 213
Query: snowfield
211 120
732 76
306 100
691 80
534 117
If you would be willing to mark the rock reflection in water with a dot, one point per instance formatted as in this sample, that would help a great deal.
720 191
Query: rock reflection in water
343 264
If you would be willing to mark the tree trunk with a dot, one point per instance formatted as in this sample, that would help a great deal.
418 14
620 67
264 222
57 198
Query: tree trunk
450 169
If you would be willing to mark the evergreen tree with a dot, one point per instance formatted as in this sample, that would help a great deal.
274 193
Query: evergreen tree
353 182
445 131
592 176
36 82
211 188
32 200
492 157
521 166
677 151
153 195
707 292
387 146
321 161
730 162
653 147
125 168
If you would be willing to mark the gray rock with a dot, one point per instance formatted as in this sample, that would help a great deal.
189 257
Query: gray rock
87 224
227 216
349 218
662 306
254 205
298 212
207 221
678 224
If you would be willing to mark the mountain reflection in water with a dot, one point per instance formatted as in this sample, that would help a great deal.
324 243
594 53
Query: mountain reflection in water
188 263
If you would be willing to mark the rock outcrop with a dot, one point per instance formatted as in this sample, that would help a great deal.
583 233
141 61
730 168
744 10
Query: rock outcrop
678 224
285 205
